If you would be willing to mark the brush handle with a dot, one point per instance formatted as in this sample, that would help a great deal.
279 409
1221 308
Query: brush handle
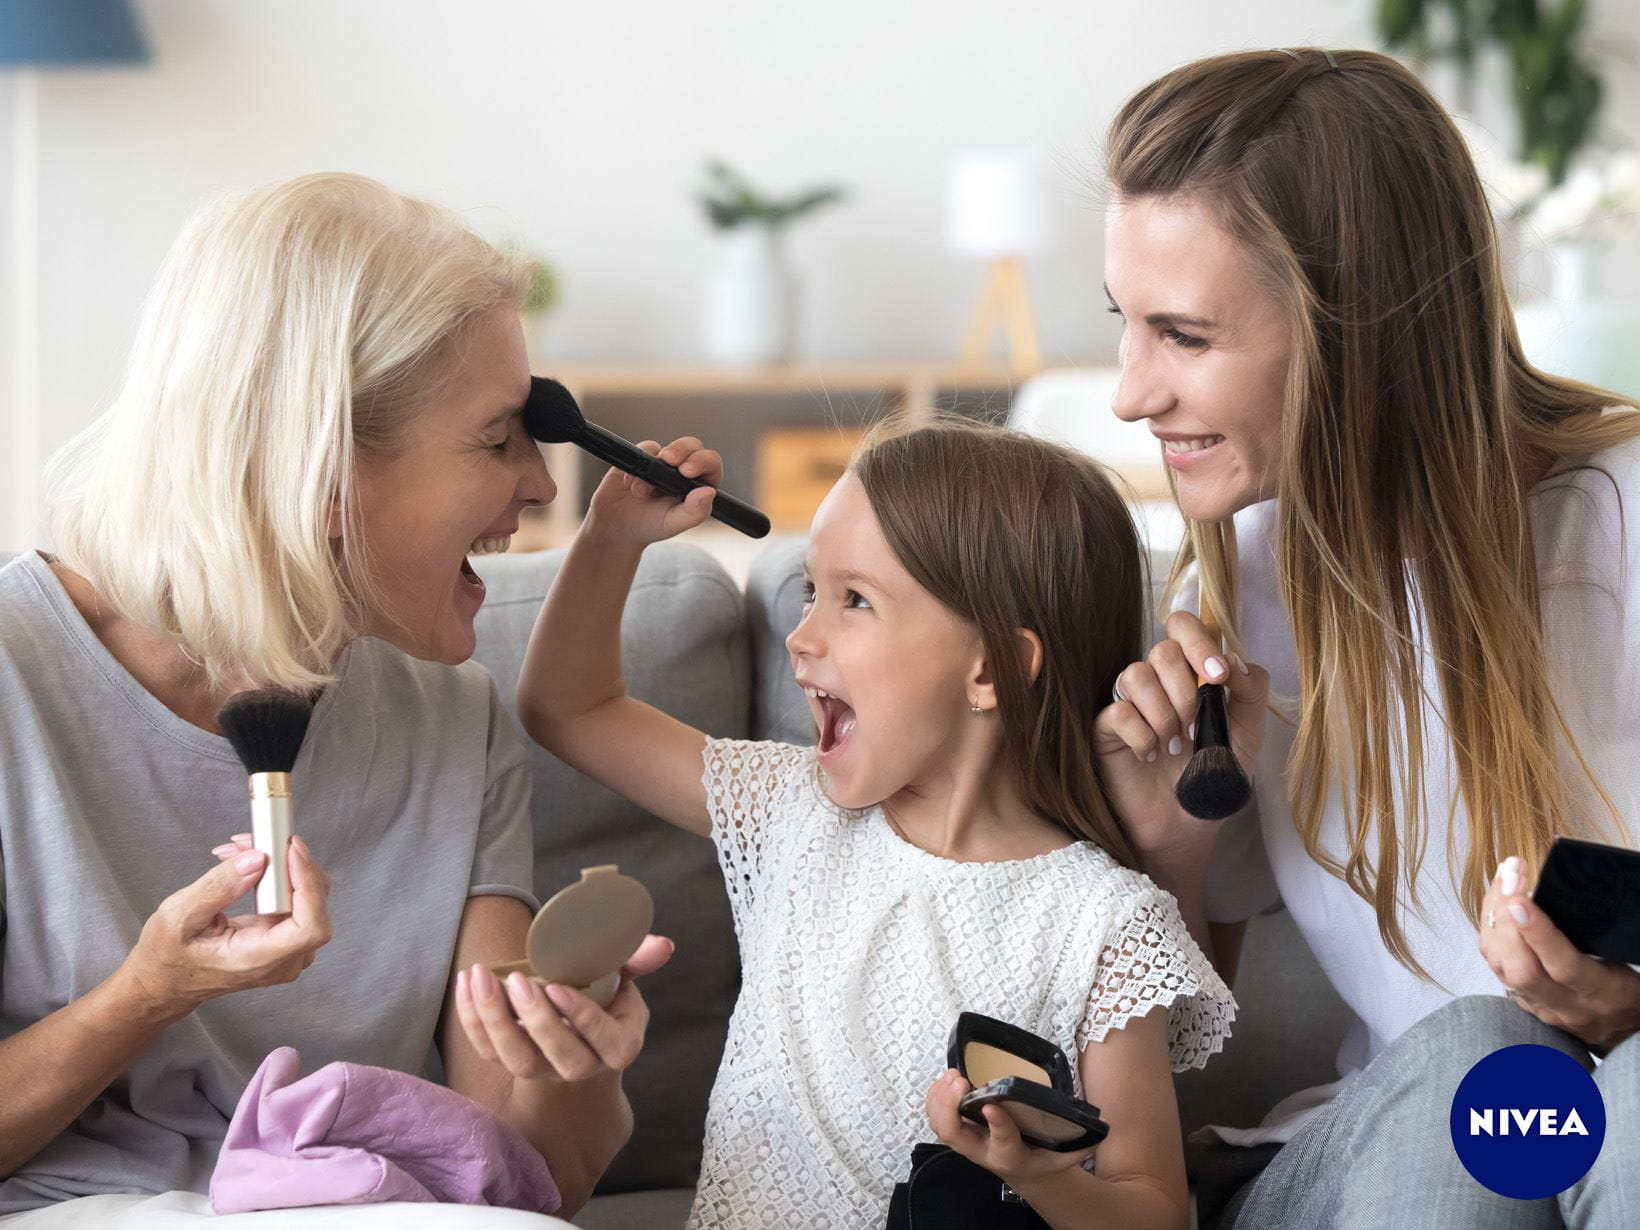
1212 626
273 820
624 455
1212 719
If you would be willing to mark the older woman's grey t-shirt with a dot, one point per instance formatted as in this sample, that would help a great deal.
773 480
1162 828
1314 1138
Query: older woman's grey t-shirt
412 790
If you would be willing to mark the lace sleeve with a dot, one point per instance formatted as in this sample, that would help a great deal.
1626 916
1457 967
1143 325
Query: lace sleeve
746 782
1149 959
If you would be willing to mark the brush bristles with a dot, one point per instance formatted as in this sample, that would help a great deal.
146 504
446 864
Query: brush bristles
266 728
1212 785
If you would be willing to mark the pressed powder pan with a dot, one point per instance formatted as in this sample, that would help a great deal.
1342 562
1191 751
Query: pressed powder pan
1029 1077
583 936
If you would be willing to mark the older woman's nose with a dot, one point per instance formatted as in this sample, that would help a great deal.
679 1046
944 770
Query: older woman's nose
536 486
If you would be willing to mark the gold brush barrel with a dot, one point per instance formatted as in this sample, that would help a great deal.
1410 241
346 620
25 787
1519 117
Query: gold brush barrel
273 821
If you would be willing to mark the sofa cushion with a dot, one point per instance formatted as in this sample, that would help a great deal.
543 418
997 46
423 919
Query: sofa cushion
683 646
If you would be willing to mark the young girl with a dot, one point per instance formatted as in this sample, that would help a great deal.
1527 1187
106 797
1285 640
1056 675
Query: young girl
971 595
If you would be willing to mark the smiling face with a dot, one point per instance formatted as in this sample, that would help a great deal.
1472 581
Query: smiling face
456 480
889 671
1205 351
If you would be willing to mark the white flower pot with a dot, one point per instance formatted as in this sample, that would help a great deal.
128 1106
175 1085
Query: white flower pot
749 300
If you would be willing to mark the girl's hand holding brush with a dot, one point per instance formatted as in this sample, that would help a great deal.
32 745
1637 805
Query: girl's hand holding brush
191 951
1145 740
636 513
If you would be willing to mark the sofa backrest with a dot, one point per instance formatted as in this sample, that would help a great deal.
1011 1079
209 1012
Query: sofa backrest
684 650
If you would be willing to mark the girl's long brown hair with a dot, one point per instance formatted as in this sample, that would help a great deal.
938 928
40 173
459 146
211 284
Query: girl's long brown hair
1413 431
1013 532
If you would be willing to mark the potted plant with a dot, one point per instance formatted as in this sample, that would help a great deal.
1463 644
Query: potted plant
543 296
749 303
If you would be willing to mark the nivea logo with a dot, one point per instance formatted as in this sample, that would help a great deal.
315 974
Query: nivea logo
1541 1120
1528 1121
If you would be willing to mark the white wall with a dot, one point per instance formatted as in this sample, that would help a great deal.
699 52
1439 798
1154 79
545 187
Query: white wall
583 127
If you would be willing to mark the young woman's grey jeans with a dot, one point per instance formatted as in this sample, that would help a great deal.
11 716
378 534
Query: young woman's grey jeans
1381 1154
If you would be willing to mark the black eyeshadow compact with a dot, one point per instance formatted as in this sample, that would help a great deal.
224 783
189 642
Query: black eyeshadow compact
1028 1077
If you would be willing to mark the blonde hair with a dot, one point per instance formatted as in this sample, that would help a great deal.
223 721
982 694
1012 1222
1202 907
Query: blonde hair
1010 532
1413 430
291 328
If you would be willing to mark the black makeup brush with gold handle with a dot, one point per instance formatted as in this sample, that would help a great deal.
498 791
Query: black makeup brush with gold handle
1212 785
266 727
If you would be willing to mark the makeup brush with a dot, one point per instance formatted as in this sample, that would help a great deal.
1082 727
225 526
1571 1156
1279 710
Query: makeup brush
552 417
266 727
1212 785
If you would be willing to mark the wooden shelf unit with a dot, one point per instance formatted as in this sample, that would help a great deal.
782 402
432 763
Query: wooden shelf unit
910 390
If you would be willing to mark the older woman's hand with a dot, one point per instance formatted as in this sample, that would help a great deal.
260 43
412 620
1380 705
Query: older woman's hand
554 1033
190 951
1593 1000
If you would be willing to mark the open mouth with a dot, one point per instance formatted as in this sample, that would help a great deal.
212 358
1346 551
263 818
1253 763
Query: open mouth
481 546
836 720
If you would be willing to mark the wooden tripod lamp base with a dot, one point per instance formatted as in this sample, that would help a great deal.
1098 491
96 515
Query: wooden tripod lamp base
1004 296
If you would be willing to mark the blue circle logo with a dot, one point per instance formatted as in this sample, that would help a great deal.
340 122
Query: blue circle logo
1528 1121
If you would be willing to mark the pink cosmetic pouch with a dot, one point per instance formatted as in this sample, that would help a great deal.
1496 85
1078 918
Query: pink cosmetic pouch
353 1134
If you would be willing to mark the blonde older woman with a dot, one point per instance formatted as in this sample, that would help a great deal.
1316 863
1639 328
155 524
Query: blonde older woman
321 420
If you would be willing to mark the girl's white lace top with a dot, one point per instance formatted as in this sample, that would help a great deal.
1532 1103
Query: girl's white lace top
858 951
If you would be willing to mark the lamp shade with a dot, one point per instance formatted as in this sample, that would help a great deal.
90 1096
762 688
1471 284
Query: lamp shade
69 32
996 206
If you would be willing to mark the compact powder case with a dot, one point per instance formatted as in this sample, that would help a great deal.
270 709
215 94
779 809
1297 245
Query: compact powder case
1029 1077
583 936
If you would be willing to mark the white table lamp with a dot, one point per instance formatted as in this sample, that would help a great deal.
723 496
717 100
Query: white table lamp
996 212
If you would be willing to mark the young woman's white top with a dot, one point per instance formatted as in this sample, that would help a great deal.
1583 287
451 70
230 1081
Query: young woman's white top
1586 527
859 950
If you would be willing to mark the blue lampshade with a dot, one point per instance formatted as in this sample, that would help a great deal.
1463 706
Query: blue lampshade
69 32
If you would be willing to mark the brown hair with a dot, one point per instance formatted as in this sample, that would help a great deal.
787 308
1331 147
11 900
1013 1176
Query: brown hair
1013 532
1413 429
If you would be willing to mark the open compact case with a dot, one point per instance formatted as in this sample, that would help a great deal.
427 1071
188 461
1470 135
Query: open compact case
1029 1077
583 936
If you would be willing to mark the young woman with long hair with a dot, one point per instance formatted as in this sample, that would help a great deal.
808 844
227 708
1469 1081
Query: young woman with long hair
1420 541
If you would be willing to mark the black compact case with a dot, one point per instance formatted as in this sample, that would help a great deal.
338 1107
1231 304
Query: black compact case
1592 893
1027 1076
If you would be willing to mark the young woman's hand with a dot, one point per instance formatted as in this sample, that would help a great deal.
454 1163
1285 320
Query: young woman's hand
1540 969
190 951
552 1032
998 1146
1144 739
635 512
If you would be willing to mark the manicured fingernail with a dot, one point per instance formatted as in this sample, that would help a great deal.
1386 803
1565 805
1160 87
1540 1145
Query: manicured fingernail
560 997
1192 732
1174 746
225 849
483 984
240 837
520 990
1151 759
462 989
1518 913
1215 668
1240 665
249 861
1509 881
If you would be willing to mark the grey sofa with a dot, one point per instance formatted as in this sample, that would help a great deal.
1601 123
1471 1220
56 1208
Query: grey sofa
697 647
